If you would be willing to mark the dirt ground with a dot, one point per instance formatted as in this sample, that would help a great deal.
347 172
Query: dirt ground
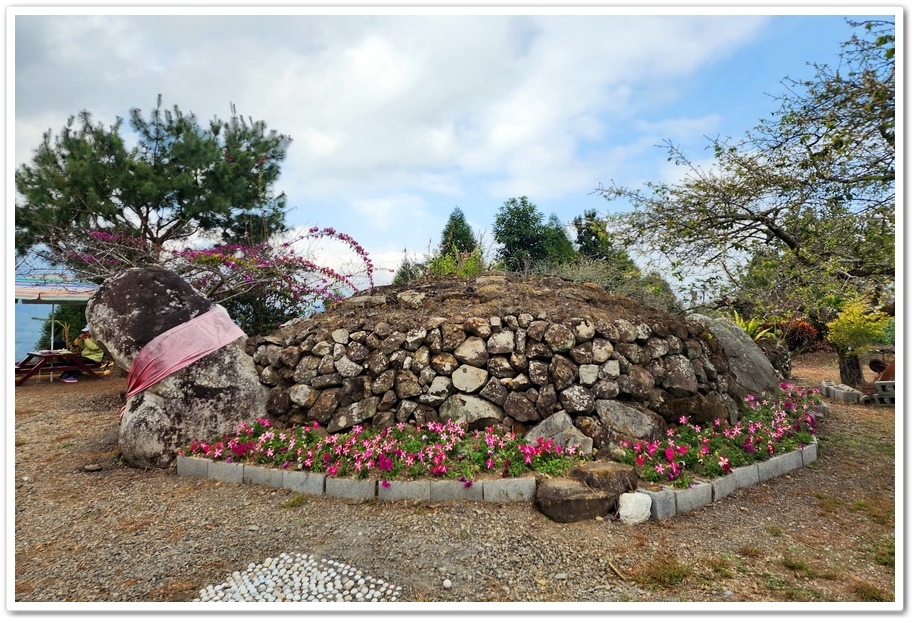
826 533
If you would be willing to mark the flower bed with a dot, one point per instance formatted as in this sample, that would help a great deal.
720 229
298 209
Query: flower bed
402 452
777 424
773 425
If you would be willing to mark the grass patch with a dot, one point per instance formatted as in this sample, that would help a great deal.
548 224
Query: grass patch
804 569
880 511
798 593
774 530
750 551
295 501
798 565
663 570
827 504
866 591
884 552
776 583
720 567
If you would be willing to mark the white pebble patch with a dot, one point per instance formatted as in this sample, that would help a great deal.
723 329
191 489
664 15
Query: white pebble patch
299 578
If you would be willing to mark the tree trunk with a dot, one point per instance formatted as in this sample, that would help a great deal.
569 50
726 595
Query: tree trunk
850 369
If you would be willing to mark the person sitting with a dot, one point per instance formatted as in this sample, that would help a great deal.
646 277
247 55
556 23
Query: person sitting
88 349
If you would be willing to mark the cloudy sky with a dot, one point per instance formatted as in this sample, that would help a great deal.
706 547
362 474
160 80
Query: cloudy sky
398 119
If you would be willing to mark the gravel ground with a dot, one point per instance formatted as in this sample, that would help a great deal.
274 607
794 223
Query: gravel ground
89 529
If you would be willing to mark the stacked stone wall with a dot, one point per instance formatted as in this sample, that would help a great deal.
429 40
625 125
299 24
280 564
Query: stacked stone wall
383 358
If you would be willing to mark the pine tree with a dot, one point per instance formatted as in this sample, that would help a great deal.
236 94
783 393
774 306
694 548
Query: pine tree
457 236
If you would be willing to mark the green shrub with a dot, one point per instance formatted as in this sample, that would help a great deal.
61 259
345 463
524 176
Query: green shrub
857 327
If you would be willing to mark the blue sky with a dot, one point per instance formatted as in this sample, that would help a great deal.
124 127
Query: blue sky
398 119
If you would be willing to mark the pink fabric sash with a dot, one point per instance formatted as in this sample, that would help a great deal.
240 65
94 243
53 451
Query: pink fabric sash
178 347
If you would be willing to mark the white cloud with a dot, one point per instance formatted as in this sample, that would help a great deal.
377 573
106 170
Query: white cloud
396 119
388 211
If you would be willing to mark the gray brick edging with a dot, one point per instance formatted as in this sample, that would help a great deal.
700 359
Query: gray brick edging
666 502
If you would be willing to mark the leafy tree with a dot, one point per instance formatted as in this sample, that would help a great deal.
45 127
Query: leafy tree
526 240
592 237
461 264
558 248
594 242
518 228
803 207
180 180
68 320
856 328
89 203
457 235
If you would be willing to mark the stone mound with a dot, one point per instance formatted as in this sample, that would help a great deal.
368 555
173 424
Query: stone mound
501 350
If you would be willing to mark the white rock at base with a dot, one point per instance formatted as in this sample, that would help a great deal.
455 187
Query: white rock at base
633 508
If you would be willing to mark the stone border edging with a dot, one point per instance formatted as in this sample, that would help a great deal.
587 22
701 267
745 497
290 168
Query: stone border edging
670 501
666 502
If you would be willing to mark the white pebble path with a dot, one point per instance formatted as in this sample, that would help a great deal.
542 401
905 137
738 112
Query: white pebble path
299 578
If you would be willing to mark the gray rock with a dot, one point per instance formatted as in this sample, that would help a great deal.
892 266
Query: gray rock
406 384
411 298
634 507
444 363
477 412
518 407
560 428
577 400
303 395
753 372
438 391
354 414
469 379
629 421
638 383
626 331
680 378
501 343
559 338
473 351
563 372
495 392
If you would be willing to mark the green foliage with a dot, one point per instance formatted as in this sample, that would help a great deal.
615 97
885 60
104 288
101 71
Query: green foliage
457 235
68 320
592 237
181 179
459 263
889 336
757 329
518 228
557 245
857 327
619 275
801 208
408 271
526 240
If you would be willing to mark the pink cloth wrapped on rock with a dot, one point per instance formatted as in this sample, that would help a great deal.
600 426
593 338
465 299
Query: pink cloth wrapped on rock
178 347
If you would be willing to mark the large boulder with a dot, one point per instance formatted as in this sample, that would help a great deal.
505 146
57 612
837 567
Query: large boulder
751 370
202 400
